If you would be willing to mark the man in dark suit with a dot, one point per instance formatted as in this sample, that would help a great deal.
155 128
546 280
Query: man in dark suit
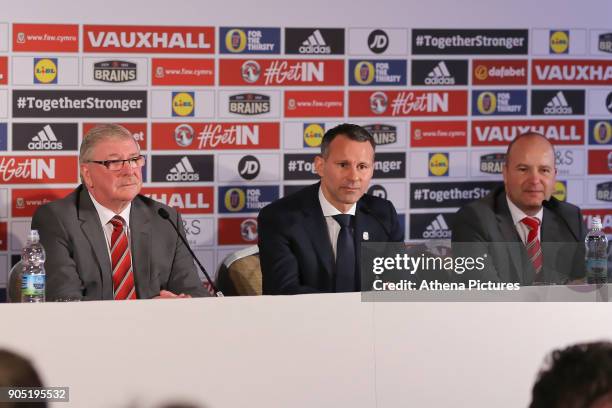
104 240
530 237
310 241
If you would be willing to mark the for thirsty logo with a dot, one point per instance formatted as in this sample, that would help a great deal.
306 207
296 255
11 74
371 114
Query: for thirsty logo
182 171
378 41
248 167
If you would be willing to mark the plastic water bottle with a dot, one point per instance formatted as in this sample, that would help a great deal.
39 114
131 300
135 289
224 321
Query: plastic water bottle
33 262
596 244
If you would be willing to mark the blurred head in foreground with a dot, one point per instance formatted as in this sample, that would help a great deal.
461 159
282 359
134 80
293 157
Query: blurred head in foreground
579 376
17 371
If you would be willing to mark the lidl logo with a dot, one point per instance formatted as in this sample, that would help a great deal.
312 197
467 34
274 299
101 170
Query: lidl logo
559 42
313 134
183 103
560 192
45 70
438 164
234 199
235 40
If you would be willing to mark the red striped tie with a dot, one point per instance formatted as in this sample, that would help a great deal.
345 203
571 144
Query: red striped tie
121 259
534 250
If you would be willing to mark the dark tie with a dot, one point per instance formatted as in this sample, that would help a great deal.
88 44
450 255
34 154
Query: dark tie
345 255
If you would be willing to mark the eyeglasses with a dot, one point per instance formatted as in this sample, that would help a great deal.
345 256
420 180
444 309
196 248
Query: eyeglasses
116 165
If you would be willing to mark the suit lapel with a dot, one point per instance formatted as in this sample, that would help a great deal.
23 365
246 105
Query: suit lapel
141 246
316 228
92 229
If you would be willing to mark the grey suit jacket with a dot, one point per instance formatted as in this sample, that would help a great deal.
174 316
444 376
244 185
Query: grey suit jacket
487 224
78 263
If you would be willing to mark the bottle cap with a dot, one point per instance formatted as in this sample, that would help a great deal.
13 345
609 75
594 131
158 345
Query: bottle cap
33 236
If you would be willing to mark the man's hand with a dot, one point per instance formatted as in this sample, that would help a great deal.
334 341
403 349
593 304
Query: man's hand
166 294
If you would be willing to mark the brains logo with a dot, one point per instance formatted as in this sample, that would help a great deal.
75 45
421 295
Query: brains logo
559 42
235 40
378 103
487 103
602 132
250 71
481 72
248 230
235 199
313 134
183 103
364 73
45 70
183 135
438 164
560 192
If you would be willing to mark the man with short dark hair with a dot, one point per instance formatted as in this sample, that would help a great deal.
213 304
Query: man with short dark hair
579 376
105 240
310 241
532 237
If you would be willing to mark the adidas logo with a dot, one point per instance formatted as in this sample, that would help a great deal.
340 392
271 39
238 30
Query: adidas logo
45 140
315 44
182 171
437 229
558 106
440 75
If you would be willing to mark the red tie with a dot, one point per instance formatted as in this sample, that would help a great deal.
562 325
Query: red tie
534 250
121 259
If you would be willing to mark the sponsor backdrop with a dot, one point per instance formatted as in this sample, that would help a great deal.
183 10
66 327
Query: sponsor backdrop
230 117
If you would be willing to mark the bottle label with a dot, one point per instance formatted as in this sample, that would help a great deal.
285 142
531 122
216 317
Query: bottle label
33 285
597 267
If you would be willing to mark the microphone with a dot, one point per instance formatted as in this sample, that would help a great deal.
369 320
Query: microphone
367 210
164 214
553 205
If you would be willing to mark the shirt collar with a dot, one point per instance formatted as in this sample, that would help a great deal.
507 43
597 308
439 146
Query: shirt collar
518 214
106 215
329 210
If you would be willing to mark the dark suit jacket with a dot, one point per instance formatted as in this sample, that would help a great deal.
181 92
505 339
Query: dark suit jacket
78 263
294 246
487 223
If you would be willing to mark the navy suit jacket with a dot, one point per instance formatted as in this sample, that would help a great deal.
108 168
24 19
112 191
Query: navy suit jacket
294 246
488 225
78 263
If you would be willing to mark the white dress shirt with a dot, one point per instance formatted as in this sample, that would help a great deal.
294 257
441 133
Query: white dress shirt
106 215
332 225
518 215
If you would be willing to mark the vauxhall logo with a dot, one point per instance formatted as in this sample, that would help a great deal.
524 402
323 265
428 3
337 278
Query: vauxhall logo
248 167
